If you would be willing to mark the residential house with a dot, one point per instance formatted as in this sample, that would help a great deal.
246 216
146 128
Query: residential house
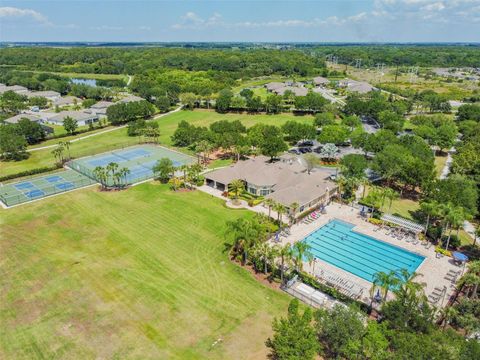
47 94
320 81
67 101
271 86
82 117
298 91
34 118
100 108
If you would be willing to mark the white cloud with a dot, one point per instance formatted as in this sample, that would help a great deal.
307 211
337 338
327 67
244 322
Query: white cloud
193 21
16 13
107 28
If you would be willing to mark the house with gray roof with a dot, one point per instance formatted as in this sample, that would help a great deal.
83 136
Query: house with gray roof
15 119
298 91
320 81
130 98
47 94
33 118
67 101
15 88
271 86
100 108
82 117
285 181
360 87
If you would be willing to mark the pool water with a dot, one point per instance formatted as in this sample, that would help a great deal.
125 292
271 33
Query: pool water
337 244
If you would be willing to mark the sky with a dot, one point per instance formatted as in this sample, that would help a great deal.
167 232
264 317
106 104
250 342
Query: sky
249 21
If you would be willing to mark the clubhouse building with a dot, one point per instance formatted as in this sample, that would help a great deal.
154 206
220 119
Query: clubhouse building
286 181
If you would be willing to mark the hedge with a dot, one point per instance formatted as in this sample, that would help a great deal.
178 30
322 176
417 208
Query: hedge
30 172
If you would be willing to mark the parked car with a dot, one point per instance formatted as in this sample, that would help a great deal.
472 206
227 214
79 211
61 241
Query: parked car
305 150
318 149
294 151
306 143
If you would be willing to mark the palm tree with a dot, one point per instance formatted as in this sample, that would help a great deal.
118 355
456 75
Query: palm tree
390 195
245 235
431 209
184 168
444 213
447 314
364 182
204 147
123 174
280 209
101 175
300 251
455 217
264 252
293 210
471 281
111 169
58 153
285 253
236 186
66 145
385 281
270 203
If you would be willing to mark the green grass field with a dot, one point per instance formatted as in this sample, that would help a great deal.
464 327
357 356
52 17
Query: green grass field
138 274
119 138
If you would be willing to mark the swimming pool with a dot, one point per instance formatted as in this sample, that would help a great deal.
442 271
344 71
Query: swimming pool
337 244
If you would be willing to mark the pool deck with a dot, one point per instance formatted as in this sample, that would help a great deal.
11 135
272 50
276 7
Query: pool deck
432 269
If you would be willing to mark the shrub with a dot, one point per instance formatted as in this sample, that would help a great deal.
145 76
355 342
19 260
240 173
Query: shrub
442 251
375 221
30 172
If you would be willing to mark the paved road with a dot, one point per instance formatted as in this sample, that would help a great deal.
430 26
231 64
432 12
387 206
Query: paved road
102 132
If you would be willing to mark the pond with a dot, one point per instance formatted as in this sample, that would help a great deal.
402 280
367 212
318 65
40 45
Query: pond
89 82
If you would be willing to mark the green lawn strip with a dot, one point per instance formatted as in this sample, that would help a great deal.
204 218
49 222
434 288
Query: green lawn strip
68 138
134 274
440 162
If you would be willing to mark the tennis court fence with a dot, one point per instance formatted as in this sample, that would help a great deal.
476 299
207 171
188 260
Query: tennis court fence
42 191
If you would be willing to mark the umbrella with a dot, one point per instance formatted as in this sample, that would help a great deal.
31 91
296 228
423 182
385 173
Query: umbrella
458 256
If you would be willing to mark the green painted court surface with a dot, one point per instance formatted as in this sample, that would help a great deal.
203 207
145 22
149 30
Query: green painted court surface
41 186
137 274
140 161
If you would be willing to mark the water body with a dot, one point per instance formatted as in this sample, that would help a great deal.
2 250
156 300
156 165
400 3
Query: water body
89 82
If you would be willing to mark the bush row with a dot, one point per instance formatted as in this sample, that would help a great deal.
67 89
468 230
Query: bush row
30 172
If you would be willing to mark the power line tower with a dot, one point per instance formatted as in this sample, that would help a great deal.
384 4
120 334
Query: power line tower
380 71
412 74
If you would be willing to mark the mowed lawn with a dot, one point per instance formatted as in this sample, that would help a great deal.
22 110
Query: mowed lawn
119 138
138 274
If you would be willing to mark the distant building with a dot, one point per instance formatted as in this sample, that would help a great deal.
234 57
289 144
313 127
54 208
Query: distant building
100 108
130 98
298 91
67 101
82 117
15 119
33 118
360 87
15 88
271 86
320 81
48 94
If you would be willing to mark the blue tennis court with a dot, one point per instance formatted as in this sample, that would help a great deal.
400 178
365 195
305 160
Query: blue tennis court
53 178
139 160
105 160
339 245
24 185
42 186
32 194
